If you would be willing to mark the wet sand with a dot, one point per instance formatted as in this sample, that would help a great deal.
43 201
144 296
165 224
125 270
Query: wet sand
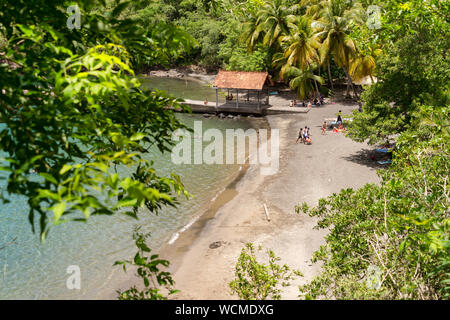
204 256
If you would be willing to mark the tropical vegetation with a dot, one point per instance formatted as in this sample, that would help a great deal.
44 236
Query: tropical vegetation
72 112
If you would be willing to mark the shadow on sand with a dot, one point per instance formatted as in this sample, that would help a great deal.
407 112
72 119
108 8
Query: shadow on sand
363 157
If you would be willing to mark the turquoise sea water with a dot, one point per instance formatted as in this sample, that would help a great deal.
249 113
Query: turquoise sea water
31 270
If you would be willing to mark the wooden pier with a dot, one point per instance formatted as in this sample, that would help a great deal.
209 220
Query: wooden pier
248 93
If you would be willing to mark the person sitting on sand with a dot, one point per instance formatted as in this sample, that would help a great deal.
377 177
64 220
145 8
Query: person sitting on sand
340 128
324 127
303 104
291 104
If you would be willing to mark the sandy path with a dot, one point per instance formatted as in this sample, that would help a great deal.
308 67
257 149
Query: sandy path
306 174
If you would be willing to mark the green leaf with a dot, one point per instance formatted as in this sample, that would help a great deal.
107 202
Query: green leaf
58 210
127 202
137 136
119 8
64 169
48 177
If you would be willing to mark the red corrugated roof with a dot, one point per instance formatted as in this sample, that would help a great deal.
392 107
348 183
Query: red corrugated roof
240 80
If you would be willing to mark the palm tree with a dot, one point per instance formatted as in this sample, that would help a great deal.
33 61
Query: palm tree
251 30
300 48
312 7
280 65
301 44
364 64
302 81
274 18
333 26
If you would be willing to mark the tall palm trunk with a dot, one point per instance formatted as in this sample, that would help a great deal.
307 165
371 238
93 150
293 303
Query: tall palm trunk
355 88
317 94
315 84
350 84
330 80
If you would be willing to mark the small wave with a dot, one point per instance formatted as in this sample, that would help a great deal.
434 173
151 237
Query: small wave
177 234
219 193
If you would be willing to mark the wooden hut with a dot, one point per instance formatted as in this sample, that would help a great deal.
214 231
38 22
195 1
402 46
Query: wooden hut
254 85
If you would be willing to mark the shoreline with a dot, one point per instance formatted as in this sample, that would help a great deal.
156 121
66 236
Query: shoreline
190 72
180 241
203 253
203 268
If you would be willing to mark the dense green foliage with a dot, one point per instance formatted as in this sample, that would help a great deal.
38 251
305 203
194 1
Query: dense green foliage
216 26
259 281
258 35
72 112
305 38
413 68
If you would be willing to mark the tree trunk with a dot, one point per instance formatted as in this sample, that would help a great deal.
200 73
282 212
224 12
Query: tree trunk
330 80
355 91
317 93
350 84
317 89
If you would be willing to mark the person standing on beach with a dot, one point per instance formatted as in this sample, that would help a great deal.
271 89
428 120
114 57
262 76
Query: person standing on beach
300 135
306 136
324 128
339 118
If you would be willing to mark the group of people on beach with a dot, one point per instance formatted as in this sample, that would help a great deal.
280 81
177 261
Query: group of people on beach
304 135
339 124
316 102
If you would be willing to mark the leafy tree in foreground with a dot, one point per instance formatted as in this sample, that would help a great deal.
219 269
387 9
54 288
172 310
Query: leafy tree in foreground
259 281
72 112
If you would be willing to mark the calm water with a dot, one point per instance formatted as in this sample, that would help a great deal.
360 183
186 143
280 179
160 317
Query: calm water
183 88
31 270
